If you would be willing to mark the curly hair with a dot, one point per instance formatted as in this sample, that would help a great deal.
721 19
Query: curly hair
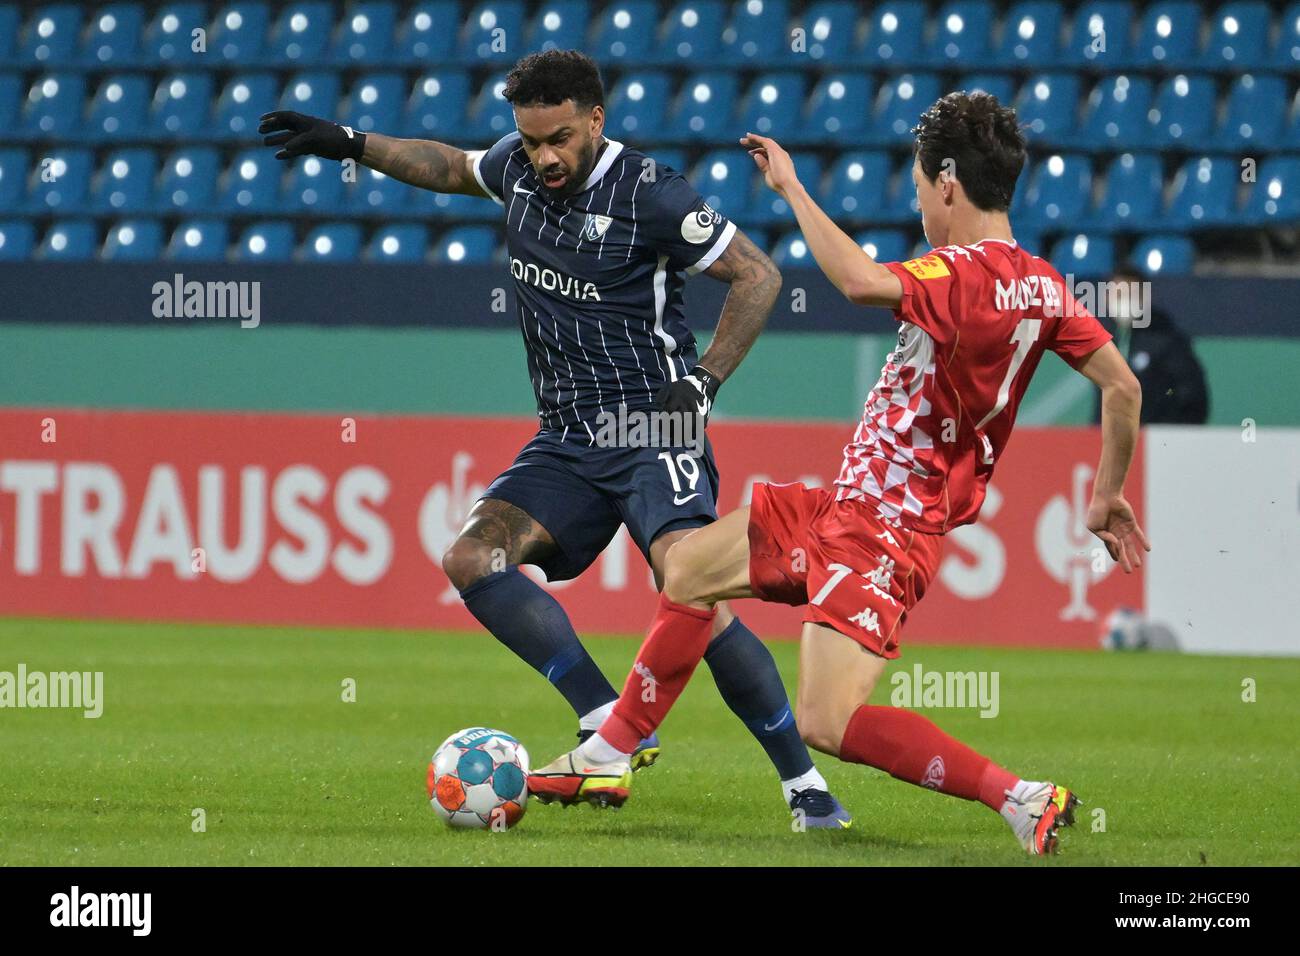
983 141
553 76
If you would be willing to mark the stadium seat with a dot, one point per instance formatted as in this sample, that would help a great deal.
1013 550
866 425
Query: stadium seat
1286 54
884 245
313 185
899 106
53 107
437 107
301 33
423 37
1167 36
265 242
11 96
558 25
455 206
466 245
69 240
1055 193
998 85
124 182
1098 34
1274 196
332 242
50 39
1047 106
375 103
1291 137
60 180
1164 255
316 94
169 37
703 105
897 29
251 182
113 37
13 177
1031 35
10 23
490 116
1115 113
1083 256
1238 38
199 240
366 34
675 159
239 32
773 103
961 34
1183 112
791 249
1254 112
493 33
1131 194
757 34
693 34
17 239
625 32
133 240
406 243
239 108
188 181
829 27
724 178
1203 193
857 186
181 105
119 108
638 105
837 110
377 194
765 206
900 204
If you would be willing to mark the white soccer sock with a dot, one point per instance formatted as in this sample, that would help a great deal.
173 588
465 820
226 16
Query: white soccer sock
599 750
594 718
812 778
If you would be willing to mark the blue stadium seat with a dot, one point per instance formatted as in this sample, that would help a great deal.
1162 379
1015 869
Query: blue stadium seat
897 30
239 32
314 93
10 24
1291 137
436 110
1055 194
198 240
1164 255
675 159
1238 38
60 180
119 108
1047 106
1286 54
1254 113
366 34
133 240
1083 256
301 33
332 242
771 106
188 181
724 178
900 198
1274 197
1167 36
1131 194
53 107
1099 34
829 27
1182 112
489 115
69 240
466 244
558 25
11 97
246 97
765 206
899 106
625 32
251 182
1031 35
265 242
838 113
757 33
313 185
124 182
406 243
638 105
703 105
423 37
113 38
883 245
377 194
17 239
792 250
961 34
692 34
169 37
1115 113
1203 193
493 33
857 186
996 84
50 39
456 206
14 164
181 105
375 102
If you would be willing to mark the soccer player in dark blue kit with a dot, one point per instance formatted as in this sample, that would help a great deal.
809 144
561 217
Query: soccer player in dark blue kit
600 240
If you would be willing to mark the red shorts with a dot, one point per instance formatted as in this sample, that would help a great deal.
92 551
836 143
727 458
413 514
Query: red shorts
857 574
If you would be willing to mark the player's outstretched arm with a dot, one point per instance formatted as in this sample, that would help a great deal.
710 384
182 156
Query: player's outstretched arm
1110 516
755 282
859 277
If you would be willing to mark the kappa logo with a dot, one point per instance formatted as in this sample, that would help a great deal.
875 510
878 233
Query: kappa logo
934 773
595 226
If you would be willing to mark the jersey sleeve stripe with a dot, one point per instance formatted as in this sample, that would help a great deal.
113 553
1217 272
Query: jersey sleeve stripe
716 250
475 158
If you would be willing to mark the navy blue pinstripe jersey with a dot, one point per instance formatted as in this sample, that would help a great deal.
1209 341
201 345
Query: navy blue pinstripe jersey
598 276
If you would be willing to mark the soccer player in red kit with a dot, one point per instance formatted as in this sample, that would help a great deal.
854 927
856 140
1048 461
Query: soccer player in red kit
975 315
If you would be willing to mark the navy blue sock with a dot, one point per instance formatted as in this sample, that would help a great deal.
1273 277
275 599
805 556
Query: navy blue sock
531 623
749 682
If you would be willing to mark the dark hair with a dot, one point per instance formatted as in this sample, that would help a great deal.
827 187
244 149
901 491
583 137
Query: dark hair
553 76
983 140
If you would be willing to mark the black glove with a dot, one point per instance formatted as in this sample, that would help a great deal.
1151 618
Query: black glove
301 135
693 394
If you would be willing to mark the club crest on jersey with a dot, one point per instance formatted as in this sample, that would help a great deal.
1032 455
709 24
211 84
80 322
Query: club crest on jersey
594 227
927 267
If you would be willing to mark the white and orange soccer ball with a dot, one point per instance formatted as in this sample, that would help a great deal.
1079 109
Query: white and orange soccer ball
478 779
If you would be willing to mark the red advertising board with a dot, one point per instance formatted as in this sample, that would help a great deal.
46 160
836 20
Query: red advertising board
324 520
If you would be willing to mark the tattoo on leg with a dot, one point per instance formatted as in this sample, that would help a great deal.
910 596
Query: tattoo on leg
507 530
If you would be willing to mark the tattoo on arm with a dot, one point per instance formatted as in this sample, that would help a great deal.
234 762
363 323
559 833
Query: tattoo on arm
755 282
422 163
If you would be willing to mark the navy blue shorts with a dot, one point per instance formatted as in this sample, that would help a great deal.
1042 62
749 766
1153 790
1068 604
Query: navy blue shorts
581 493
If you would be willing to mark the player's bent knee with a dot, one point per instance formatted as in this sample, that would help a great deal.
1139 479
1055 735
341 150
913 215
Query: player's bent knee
466 561
683 580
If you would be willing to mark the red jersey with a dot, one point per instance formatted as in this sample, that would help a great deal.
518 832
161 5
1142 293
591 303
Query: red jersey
975 321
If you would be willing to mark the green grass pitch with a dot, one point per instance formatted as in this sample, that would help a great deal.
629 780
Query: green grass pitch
249 724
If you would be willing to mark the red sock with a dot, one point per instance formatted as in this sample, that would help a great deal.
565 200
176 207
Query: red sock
908 746
677 640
